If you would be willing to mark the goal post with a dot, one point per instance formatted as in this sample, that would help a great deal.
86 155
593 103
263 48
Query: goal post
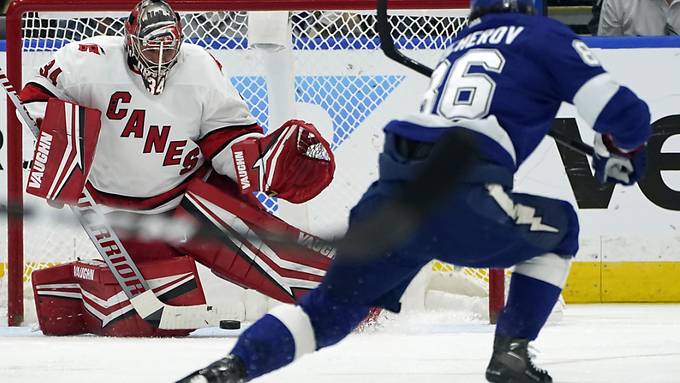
341 81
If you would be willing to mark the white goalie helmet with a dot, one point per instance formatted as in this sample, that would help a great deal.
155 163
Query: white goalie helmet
153 38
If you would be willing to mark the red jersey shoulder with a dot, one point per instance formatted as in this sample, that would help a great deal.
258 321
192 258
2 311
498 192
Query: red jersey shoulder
219 64
95 47
91 48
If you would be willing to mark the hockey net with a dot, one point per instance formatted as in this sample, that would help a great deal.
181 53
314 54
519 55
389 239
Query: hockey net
311 60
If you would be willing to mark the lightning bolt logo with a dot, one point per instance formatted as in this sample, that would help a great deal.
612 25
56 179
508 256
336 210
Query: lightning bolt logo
526 215
522 214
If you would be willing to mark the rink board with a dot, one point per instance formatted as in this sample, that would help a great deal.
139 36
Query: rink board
629 240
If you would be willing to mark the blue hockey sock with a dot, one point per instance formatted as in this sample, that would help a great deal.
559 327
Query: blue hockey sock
529 304
265 346
288 332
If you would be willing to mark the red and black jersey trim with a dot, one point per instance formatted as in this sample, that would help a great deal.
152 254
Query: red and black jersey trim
214 142
144 203
34 92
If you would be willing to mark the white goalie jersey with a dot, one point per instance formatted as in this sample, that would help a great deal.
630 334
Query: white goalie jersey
149 145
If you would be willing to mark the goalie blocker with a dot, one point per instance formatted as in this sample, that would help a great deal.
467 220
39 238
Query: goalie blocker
64 152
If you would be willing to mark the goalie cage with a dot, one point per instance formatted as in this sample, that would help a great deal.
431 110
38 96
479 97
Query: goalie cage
316 60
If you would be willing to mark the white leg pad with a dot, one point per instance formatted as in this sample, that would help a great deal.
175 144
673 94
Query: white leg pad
549 268
299 324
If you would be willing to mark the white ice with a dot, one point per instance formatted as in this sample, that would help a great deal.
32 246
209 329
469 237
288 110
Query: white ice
592 343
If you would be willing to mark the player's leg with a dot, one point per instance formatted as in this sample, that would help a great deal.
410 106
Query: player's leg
490 226
352 285
535 287
536 234
331 311
322 318
285 334
326 314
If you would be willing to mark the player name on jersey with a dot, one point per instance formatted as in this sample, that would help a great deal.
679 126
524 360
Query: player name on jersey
500 35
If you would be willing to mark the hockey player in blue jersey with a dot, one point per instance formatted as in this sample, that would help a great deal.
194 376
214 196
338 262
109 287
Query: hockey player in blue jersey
502 80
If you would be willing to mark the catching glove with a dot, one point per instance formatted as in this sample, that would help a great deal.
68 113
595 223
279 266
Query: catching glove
293 162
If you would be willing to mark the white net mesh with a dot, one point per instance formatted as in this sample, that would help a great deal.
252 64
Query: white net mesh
310 30
349 97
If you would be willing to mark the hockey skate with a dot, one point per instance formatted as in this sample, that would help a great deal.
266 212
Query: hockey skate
511 363
226 370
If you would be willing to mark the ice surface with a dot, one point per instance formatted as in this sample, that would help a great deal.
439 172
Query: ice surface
592 343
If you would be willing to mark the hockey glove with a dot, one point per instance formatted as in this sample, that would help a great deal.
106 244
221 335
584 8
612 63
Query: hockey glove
615 165
294 162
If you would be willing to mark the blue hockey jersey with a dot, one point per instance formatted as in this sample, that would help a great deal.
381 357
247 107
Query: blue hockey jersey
505 76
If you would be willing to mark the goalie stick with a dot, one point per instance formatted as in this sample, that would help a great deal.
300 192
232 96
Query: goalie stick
112 251
391 224
387 45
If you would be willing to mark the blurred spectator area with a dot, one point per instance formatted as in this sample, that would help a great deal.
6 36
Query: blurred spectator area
3 8
574 13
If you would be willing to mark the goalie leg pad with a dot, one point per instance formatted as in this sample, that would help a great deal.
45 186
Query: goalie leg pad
84 297
58 301
64 152
277 271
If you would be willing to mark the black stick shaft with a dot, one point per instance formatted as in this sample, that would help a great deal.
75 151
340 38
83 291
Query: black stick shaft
388 48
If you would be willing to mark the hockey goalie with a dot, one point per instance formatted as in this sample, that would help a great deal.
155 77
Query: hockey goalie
151 125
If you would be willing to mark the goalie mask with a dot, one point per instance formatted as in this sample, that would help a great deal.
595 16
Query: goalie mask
153 37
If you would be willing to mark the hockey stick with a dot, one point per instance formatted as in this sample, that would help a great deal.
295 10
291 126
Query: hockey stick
387 45
112 251
389 225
